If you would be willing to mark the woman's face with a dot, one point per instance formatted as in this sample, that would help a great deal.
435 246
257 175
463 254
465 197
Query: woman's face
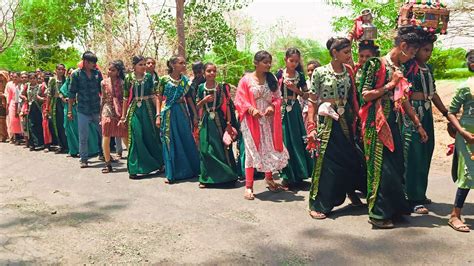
263 65
140 67
407 52
60 71
344 55
364 55
292 61
33 80
424 53
180 65
210 72
150 65
112 71
310 69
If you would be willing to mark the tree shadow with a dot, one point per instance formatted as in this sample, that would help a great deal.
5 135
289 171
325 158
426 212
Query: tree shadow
88 212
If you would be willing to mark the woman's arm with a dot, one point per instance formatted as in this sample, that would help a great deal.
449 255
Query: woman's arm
411 113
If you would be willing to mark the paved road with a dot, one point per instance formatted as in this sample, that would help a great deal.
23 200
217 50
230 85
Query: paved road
53 212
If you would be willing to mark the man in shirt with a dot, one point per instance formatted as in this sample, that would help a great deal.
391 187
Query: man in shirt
85 89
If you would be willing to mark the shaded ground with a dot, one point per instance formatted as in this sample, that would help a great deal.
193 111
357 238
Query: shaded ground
71 215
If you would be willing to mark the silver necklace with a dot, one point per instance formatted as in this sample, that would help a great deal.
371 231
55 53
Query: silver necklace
142 91
211 111
294 80
342 94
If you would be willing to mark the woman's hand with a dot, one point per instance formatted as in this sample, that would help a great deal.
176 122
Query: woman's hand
292 86
208 98
70 118
269 111
121 122
312 135
396 76
469 137
255 113
423 135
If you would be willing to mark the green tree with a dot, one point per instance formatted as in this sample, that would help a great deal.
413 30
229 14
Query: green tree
205 26
385 16
310 50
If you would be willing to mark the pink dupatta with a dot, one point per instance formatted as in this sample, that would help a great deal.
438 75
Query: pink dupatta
244 100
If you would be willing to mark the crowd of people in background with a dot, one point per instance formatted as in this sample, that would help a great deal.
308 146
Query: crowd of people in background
353 128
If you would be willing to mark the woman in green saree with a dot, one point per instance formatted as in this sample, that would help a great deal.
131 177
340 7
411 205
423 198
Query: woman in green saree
381 86
218 164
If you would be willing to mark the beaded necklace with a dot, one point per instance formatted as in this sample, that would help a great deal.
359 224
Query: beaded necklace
294 80
212 110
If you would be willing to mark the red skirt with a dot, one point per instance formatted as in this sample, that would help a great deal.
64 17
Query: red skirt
110 128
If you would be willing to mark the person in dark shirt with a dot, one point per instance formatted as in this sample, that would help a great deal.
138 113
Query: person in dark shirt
85 89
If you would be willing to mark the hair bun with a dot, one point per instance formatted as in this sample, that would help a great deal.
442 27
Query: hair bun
329 43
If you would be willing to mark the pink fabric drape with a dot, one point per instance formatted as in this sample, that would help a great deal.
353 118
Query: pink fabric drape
244 100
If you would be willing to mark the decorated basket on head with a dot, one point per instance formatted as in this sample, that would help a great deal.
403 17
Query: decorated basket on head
431 16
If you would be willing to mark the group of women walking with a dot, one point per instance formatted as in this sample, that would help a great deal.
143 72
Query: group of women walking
354 129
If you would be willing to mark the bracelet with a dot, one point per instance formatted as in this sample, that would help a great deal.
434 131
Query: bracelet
385 89
228 123
418 126
445 114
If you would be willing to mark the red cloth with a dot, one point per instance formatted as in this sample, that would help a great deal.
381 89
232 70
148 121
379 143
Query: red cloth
244 100
359 31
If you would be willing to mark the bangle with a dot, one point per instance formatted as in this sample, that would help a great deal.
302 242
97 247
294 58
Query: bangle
157 115
418 126
228 123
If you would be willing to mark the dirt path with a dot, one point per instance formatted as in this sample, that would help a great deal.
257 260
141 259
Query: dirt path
71 216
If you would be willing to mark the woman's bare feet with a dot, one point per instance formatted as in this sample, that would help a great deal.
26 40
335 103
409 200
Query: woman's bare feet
317 215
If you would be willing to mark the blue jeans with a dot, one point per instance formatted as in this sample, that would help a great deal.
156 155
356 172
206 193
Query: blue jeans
84 121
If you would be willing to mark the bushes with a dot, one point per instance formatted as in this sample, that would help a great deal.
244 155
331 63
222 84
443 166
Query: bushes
449 63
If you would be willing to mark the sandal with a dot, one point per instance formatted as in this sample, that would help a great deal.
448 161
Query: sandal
272 186
84 165
107 168
249 194
381 224
317 215
460 227
169 182
133 177
201 185
420 209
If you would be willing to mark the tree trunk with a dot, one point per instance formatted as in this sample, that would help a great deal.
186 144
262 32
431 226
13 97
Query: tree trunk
180 27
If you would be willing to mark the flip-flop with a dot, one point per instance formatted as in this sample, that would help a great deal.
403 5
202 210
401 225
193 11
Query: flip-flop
459 228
